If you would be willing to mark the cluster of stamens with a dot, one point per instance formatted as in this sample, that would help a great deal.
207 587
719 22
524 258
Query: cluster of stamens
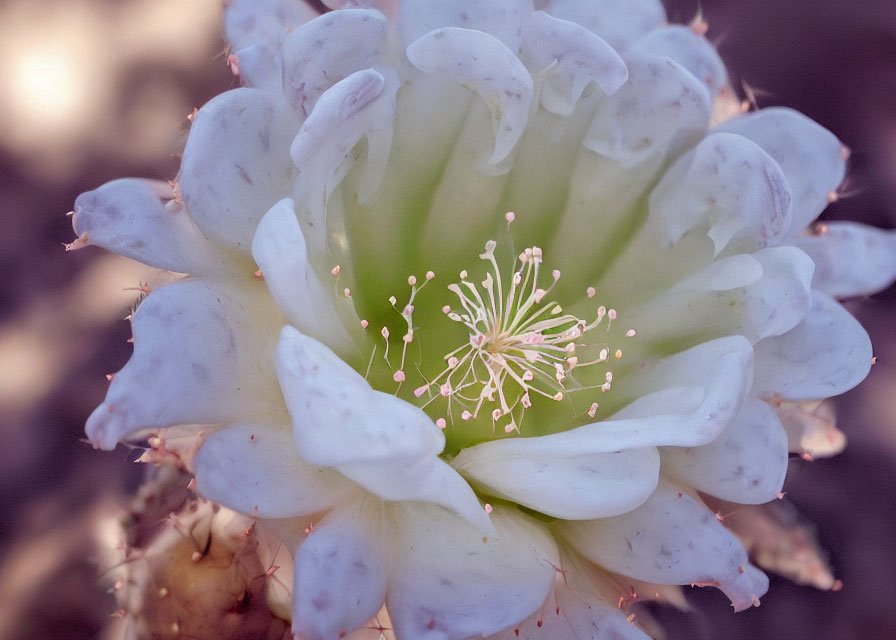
519 345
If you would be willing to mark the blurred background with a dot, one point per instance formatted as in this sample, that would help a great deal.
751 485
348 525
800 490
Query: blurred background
100 89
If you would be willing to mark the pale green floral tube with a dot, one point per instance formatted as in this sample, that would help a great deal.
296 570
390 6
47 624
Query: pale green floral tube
481 301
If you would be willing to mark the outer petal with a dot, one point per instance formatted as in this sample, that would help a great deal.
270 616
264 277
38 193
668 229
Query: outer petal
341 572
671 539
692 51
502 19
279 250
811 158
236 164
249 22
619 22
746 464
254 469
387 445
448 582
576 609
315 56
826 354
127 217
575 487
660 106
728 296
851 259
201 355
571 57
729 184
484 63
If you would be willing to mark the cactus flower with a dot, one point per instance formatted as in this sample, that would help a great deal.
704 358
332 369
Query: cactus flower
481 301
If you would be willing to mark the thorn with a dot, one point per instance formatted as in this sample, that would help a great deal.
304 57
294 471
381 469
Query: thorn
192 115
258 275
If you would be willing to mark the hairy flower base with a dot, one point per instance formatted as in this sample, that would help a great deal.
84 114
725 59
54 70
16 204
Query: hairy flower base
468 441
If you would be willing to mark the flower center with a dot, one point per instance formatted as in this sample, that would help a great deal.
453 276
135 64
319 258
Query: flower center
519 352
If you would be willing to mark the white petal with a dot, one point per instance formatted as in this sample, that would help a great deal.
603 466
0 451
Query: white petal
485 64
338 418
236 164
127 217
385 444
851 259
826 354
248 22
575 610
315 56
720 373
360 106
254 469
692 51
260 66
810 156
671 539
202 354
661 105
745 464
728 297
280 252
729 184
572 487
572 57
341 573
812 428
449 583
502 19
619 22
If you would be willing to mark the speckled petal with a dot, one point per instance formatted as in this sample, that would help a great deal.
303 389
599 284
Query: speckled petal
450 583
851 259
692 51
671 539
202 355
485 64
619 22
729 185
236 164
254 468
315 56
661 106
341 572
811 157
826 354
502 19
745 464
570 57
126 216
249 22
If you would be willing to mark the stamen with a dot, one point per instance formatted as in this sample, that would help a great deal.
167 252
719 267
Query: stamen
519 344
